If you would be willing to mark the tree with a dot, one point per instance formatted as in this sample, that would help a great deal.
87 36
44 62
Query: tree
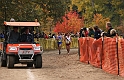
29 10
71 23
100 21
52 9
112 9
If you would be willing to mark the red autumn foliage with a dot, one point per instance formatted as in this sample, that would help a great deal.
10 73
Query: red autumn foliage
71 23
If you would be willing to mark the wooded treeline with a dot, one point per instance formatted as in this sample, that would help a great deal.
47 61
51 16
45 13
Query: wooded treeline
48 12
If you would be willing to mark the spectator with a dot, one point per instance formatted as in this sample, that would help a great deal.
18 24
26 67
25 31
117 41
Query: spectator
110 31
72 34
37 36
77 34
85 32
50 35
97 33
91 32
45 36
53 36
81 34
1 35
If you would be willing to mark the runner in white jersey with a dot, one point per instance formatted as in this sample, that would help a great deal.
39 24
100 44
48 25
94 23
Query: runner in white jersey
68 42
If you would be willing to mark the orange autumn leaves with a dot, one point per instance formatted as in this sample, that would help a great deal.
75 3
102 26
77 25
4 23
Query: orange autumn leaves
71 23
100 21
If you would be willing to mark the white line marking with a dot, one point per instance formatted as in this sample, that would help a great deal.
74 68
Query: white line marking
30 75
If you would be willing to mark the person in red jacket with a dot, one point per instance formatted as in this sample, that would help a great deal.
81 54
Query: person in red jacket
85 32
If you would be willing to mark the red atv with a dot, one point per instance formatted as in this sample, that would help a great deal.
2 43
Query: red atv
29 53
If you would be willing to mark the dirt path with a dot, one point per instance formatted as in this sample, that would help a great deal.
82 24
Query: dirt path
57 67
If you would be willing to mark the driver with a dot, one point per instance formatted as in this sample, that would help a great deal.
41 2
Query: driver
27 36
14 35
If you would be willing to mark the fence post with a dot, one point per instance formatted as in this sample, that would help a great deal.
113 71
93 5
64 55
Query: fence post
102 50
117 53
87 49
78 48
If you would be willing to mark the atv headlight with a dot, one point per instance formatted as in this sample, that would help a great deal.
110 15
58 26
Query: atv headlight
12 48
37 48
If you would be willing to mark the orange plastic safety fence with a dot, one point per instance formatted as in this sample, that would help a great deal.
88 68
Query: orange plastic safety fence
121 56
104 53
96 51
89 44
110 62
84 57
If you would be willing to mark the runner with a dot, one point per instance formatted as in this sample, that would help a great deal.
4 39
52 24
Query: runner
59 41
68 42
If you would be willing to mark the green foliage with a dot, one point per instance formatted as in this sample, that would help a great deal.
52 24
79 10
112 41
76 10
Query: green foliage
112 9
20 10
53 10
29 10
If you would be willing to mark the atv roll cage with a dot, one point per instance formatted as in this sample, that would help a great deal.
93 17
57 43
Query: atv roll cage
21 26
21 52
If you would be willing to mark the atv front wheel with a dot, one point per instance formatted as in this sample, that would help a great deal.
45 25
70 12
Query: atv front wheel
38 62
11 61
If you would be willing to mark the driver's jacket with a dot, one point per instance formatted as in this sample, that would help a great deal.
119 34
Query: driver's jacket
27 38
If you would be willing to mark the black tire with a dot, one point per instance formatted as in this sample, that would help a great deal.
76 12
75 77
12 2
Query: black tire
11 62
29 64
0 53
3 63
38 62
